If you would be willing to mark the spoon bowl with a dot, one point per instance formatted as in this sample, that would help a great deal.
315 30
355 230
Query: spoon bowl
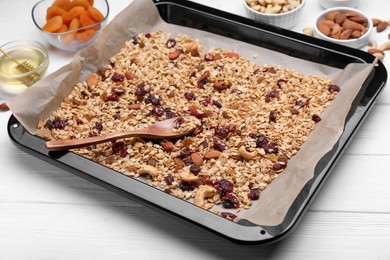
166 129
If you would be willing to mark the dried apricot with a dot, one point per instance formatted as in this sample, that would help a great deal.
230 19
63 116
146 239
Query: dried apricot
61 4
83 3
75 12
54 11
69 37
95 14
64 28
85 36
53 24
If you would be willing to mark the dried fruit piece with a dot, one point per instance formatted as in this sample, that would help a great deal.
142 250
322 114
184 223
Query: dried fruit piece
53 24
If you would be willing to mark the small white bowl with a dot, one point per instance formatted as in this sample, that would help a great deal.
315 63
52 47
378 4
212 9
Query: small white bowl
354 43
337 3
285 20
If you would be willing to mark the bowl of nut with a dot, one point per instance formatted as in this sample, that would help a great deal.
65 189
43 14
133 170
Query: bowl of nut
336 3
281 13
70 25
343 25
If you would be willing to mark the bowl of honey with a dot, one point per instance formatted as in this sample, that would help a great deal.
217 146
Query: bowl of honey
22 63
70 25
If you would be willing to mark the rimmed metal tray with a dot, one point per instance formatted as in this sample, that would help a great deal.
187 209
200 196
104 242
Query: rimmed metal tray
197 16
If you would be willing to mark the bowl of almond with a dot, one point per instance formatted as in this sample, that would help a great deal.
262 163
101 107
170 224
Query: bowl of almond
343 25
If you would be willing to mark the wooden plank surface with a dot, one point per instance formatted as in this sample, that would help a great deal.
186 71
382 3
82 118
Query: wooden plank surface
48 213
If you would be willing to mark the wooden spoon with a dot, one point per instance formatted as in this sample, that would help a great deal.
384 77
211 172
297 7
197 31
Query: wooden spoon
159 130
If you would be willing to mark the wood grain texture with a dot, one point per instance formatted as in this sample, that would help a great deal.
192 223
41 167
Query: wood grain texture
48 213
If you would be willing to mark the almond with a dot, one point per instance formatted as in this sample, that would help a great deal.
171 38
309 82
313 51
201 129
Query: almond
339 18
168 146
352 25
336 32
372 51
346 34
197 159
356 34
359 19
130 75
4 107
375 21
332 15
212 154
381 26
134 106
92 80
174 55
325 30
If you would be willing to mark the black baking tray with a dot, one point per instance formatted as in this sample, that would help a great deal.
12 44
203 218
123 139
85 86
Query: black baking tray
200 17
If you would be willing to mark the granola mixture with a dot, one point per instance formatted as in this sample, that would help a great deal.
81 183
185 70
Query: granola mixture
254 118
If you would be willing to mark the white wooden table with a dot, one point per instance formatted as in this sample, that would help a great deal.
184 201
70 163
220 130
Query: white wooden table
48 213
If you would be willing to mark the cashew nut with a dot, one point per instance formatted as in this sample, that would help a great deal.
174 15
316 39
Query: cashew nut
187 176
244 153
308 31
294 3
379 55
148 169
373 44
385 46
204 191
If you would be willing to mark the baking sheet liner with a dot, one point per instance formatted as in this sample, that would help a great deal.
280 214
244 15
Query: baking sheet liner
38 102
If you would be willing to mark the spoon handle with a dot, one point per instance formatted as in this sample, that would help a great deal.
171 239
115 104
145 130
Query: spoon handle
58 145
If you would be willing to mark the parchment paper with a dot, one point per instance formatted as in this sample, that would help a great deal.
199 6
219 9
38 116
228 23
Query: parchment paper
45 96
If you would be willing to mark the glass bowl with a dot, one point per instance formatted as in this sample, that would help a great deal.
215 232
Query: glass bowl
72 39
14 77
286 20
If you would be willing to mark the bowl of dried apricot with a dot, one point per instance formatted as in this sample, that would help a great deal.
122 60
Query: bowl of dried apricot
344 25
70 25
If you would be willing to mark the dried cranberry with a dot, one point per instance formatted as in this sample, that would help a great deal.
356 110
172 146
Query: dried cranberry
142 89
254 194
316 118
169 114
280 81
256 71
57 123
217 104
158 110
252 135
117 77
333 88
118 91
230 201
273 116
217 145
274 94
98 126
119 147
222 132
195 169
148 35
171 43
261 140
206 101
135 40
111 97
200 84
190 96
117 116
169 179
195 53
154 99
184 153
294 111
79 121
186 186
279 166
228 215
224 187
270 147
